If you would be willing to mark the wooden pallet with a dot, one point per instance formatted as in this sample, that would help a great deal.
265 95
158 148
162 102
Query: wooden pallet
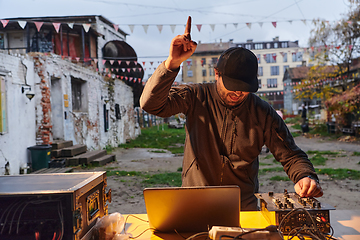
53 170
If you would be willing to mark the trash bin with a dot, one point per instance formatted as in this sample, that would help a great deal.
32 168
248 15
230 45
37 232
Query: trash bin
40 156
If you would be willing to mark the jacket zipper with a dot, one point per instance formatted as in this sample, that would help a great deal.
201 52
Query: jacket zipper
223 135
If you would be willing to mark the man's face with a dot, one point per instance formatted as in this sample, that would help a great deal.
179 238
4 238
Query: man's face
231 98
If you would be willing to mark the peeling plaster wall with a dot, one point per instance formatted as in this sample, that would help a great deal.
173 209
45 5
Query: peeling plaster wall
32 122
20 114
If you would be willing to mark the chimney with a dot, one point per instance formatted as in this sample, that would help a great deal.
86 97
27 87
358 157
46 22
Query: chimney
276 39
249 41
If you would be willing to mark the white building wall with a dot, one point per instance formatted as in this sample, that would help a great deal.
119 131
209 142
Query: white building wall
20 132
25 117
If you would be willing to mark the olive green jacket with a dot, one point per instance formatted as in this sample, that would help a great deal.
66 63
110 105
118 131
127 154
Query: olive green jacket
222 144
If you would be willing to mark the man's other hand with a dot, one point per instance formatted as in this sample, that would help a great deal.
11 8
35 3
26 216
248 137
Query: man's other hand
181 48
307 187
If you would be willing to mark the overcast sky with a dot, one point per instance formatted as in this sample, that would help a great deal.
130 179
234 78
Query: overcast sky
239 20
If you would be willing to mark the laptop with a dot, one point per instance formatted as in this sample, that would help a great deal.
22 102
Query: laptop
192 209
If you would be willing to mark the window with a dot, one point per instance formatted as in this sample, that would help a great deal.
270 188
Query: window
79 99
248 46
258 57
297 56
214 61
259 81
268 45
284 45
3 111
203 61
270 58
2 41
274 70
285 67
272 82
276 45
204 72
260 71
189 73
259 46
284 57
211 71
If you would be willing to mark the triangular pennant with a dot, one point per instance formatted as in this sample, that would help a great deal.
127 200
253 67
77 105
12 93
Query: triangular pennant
116 27
127 63
139 69
134 69
304 21
71 25
22 24
128 69
119 62
86 26
135 62
151 63
57 26
260 23
199 27
160 27
77 59
111 62
212 27
225 25
143 63
103 62
131 28
274 24
95 60
235 25
38 25
4 22
290 21
145 28
248 25
172 26
131 78
121 77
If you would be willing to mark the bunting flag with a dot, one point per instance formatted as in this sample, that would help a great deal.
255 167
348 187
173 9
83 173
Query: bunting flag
304 21
103 62
77 59
86 26
145 28
172 26
116 27
111 62
160 27
22 24
127 63
198 27
132 26
248 25
38 25
135 62
212 27
261 24
71 25
119 62
274 24
4 22
290 21
57 26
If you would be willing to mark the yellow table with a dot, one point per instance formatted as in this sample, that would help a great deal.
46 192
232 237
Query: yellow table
346 224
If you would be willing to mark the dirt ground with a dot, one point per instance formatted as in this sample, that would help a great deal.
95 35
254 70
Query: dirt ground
127 191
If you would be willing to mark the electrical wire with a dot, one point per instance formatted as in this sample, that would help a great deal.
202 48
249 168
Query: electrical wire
198 235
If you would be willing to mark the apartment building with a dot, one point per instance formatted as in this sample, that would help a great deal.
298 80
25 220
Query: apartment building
274 57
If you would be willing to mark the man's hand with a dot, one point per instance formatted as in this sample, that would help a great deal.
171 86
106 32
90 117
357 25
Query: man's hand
307 187
181 48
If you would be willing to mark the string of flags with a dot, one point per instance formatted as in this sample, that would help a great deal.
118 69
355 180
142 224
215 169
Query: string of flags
160 27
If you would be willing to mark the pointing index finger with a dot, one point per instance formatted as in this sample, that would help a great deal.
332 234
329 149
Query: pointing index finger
188 27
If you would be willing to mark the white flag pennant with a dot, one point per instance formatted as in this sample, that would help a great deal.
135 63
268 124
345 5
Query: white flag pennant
212 27
235 25
86 26
131 28
160 27
172 26
71 25
248 25
22 24
260 23
145 28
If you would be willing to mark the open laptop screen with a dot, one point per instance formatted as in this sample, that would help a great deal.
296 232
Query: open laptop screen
192 209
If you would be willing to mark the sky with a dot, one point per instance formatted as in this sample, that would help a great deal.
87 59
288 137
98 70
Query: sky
223 20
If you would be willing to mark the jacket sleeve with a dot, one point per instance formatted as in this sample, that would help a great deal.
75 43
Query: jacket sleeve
282 145
160 99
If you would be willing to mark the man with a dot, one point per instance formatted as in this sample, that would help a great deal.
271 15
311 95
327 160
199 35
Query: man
226 124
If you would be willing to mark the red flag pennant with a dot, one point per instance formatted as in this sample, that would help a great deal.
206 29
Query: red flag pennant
77 59
38 25
274 24
4 22
188 62
199 27
151 63
128 69
103 62
121 77
116 27
131 78
119 62
143 63
274 57
126 78
57 26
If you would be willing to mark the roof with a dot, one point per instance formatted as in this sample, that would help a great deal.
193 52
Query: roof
298 72
213 47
